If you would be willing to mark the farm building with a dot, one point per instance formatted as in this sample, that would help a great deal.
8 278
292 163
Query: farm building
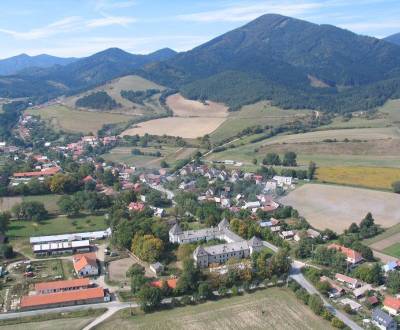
61 286
94 235
61 248
64 298
85 264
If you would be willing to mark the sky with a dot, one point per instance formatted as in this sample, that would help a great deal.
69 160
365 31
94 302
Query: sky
82 27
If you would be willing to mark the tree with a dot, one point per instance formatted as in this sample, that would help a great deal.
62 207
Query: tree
149 298
393 281
164 164
30 210
185 251
337 323
312 167
69 205
271 158
4 221
6 251
316 304
289 159
204 291
189 278
396 187
147 247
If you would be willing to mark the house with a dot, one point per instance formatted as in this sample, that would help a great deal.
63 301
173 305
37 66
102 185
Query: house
353 257
60 286
85 264
349 281
283 180
136 207
336 290
251 205
391 305
390 266
65 298
360 292
355 306
287 235
373 300
270 186
383 320
157 268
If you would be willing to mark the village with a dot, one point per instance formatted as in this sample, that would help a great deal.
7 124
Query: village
203 222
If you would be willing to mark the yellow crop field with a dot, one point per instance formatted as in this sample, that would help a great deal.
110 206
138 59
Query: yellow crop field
371 177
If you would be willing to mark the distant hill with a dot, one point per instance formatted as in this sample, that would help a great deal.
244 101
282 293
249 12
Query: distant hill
282 58
395 38
20 62
77 76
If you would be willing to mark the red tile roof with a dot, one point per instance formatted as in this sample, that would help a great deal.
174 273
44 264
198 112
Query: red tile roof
82 260
44 172
346 279
350 253
61 297
62 285
392 302
171 283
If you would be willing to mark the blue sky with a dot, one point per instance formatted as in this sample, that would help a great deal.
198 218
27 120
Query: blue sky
83 27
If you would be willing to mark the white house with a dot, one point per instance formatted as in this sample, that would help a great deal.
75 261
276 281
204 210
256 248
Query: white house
85 264
283 180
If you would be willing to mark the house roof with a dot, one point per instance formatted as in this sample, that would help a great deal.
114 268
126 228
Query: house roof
82 260
44 172
59 285
346 279
171 283
61 297
381 317
255 242
373 300
392 302
350 253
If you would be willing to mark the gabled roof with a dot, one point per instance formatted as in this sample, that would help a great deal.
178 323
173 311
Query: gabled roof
392 302
82 260
60 285
171 283
255 242
176 229
346 279
61 297
200 252
350 253
381 317
223 224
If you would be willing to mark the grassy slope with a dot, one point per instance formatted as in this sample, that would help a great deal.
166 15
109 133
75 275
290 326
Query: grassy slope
69 120
268 309
386 234
393 250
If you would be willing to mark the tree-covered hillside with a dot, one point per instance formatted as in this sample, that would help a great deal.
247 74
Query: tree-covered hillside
395 38
98 100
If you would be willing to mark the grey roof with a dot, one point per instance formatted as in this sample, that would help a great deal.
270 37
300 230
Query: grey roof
226 248
200 252
157 266
381 317
255 241
175 229
70 237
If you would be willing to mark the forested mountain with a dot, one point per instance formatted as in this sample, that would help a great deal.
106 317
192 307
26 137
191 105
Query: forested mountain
395 38
286 60
82 74
20 62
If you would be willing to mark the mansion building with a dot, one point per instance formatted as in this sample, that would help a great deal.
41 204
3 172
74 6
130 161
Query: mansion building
235 246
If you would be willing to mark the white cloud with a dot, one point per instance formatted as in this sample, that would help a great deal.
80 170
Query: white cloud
109 4
67 25
241 13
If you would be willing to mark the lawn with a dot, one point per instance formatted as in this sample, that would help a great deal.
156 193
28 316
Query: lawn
76 121
393 250
54 226
60 324
49 201
267 309
336 207
370 177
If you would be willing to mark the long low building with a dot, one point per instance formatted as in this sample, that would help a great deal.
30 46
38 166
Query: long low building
64 298
71 237
61 286
61 248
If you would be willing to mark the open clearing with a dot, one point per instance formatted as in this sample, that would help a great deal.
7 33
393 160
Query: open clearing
336 207
60 324
118 268
131 83
77 121
6 203
191 119
371 177
393 250
273 308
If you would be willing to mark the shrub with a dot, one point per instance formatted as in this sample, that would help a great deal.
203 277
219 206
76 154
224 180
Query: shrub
337 323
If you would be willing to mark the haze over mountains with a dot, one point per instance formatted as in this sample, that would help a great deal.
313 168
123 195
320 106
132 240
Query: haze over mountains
291 62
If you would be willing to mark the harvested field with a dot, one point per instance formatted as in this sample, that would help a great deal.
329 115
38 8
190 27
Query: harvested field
182 107
371 177
273 308
190 128
336 207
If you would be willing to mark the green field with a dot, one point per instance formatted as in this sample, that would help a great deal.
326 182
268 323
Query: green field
54 226
170 154
261 113
393 250
386 234
76 121
273 308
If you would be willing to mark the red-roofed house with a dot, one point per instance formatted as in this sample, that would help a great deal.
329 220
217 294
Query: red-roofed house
85 264
392 305
349 281
44 172
352 256
171 283
65 298
136 207
60 286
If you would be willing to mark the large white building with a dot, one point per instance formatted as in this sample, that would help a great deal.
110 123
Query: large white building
235 246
